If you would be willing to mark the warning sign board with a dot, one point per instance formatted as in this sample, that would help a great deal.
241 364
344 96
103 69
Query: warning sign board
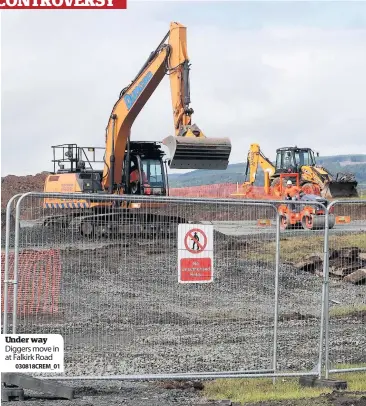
195 253
264 222
343 219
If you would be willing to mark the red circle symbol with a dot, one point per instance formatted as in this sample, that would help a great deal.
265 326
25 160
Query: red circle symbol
197 244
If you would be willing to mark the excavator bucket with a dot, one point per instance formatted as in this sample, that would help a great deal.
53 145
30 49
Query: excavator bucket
198 152
336 189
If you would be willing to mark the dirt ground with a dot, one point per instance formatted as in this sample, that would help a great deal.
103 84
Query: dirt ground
111 393
11 185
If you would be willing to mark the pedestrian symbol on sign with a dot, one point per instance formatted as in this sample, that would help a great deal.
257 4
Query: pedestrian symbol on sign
195 240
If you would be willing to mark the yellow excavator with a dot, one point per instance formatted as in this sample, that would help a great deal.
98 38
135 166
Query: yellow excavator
313 178
132 167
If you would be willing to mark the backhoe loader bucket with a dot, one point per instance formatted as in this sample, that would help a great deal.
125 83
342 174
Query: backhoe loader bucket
336 189
198 153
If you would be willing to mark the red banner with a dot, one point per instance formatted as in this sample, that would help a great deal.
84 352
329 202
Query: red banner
196 270
62 4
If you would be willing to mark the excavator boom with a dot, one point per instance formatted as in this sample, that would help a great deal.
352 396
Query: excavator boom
188 147
131 101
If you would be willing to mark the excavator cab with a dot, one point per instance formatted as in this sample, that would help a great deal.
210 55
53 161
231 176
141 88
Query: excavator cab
147 172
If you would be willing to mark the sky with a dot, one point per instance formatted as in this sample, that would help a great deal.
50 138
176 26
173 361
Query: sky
274 73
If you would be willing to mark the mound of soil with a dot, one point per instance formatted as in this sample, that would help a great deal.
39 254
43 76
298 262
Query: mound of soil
11 185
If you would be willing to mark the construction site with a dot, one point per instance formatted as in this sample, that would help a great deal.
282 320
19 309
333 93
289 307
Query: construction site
159 291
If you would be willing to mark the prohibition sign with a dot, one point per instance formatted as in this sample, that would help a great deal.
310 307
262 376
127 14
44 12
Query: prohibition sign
201 244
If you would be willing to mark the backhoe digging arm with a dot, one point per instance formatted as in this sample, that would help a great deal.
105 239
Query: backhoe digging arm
255 158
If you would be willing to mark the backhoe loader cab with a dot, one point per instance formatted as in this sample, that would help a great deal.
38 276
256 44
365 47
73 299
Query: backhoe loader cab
291 159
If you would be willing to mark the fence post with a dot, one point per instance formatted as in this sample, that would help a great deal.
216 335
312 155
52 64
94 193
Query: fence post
16 260
6 271
326 291
321 341
275 324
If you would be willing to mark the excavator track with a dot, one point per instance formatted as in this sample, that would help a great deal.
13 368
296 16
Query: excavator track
115 224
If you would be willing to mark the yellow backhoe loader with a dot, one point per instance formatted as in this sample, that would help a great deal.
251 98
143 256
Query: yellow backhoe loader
313 178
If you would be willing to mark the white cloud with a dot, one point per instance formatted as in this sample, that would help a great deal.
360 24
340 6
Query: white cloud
62 73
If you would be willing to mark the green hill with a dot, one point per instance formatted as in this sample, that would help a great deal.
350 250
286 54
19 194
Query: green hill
236 172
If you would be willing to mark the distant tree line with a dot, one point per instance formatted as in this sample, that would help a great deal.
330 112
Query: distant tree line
236 172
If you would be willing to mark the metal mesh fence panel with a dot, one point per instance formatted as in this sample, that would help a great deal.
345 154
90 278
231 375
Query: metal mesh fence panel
7 245
300 285
347 289
109 284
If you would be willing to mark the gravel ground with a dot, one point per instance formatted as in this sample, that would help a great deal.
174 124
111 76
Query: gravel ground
122 311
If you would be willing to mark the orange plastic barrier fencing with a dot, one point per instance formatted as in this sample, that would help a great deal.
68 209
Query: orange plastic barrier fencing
39 282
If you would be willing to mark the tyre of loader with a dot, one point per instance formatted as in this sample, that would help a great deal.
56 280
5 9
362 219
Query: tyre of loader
198 153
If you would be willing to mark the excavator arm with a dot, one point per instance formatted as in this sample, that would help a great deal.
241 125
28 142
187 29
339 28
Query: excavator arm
255 158
189 148
131 101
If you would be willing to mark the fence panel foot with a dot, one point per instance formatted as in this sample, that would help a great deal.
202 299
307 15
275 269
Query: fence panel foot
11 393
23 381
313 381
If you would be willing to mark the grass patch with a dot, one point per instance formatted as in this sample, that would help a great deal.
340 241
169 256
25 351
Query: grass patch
262 389
297 248
258 390
341 311
362 196
356 380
